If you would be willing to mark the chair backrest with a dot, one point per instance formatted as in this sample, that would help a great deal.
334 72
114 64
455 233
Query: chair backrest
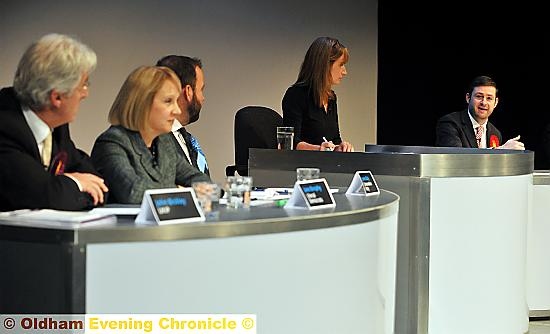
255 127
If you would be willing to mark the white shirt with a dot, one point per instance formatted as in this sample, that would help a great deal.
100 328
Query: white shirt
40 131
39 128
475 124
179 137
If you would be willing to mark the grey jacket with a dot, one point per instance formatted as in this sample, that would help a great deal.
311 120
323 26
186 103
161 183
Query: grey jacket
127 165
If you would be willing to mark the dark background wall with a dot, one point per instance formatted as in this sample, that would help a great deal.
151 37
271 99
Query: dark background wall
428 55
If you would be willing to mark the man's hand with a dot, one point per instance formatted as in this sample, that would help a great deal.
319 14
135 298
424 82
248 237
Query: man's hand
91 184
513 144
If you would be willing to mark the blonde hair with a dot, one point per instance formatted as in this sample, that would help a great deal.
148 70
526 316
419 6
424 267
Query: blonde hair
133 103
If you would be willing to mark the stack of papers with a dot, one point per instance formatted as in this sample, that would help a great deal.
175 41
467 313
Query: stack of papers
58 217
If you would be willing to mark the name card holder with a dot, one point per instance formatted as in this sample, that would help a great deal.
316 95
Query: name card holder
311 194
364 184
169 206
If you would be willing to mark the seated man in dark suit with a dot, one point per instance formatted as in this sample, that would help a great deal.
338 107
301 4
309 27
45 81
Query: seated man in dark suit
189 71
40 167
471 127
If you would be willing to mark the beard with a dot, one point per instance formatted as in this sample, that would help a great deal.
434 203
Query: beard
194 110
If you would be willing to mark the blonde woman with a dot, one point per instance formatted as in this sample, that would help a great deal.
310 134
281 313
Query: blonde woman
137 151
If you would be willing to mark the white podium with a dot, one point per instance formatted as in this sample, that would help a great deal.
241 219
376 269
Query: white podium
538 248
463 216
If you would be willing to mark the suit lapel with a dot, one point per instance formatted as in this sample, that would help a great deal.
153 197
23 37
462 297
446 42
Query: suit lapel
187 138
167 154
468 129
21 130
145 157
491 131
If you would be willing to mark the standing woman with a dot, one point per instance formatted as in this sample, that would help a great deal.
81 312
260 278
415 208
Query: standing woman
137 152
310 104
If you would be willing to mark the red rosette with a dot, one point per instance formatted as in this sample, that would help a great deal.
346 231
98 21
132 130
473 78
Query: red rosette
493 141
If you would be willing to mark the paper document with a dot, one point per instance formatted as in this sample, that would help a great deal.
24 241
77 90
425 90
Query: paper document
123 211
58 217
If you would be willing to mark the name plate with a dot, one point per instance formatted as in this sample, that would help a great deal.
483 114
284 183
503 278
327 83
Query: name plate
363 183
311 194
169 206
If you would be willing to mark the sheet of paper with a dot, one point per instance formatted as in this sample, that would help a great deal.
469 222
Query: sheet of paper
122 211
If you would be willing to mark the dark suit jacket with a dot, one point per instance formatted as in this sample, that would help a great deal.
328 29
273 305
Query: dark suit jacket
128 166
23 181
456 130
192 152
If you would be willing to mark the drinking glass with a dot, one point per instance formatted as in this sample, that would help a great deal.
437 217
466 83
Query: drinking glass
285 137
238 191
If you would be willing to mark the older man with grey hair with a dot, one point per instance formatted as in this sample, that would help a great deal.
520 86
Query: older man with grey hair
40 167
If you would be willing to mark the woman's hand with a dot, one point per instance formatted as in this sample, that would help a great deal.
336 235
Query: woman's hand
344 147
327 146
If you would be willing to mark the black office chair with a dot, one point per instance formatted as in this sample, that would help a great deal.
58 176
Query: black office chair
254 127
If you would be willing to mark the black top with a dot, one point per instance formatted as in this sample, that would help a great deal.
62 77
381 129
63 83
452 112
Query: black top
311 123
23 181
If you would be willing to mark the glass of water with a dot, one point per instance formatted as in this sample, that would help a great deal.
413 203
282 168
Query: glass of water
208 195
306 173
285 137
238 190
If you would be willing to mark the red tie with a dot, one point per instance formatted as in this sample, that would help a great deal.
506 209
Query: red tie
479 135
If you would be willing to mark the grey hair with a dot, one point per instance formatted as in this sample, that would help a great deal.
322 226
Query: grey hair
54 62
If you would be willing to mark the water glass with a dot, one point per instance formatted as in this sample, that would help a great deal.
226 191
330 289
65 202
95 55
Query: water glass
303 173
208 195
285 137
238 190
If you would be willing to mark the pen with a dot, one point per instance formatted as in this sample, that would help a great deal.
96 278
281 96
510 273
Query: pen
327 148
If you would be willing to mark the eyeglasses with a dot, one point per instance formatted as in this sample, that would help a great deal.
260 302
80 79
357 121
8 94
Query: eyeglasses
481 97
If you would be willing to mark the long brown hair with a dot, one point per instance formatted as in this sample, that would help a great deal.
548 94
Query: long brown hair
315 69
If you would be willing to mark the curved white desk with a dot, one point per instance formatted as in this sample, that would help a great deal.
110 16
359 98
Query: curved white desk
324 271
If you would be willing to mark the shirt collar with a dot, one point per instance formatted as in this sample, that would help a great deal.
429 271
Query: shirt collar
475 123
39 128
176 125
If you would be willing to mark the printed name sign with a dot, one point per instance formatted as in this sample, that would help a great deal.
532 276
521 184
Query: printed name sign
363 183
311 194
169 206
